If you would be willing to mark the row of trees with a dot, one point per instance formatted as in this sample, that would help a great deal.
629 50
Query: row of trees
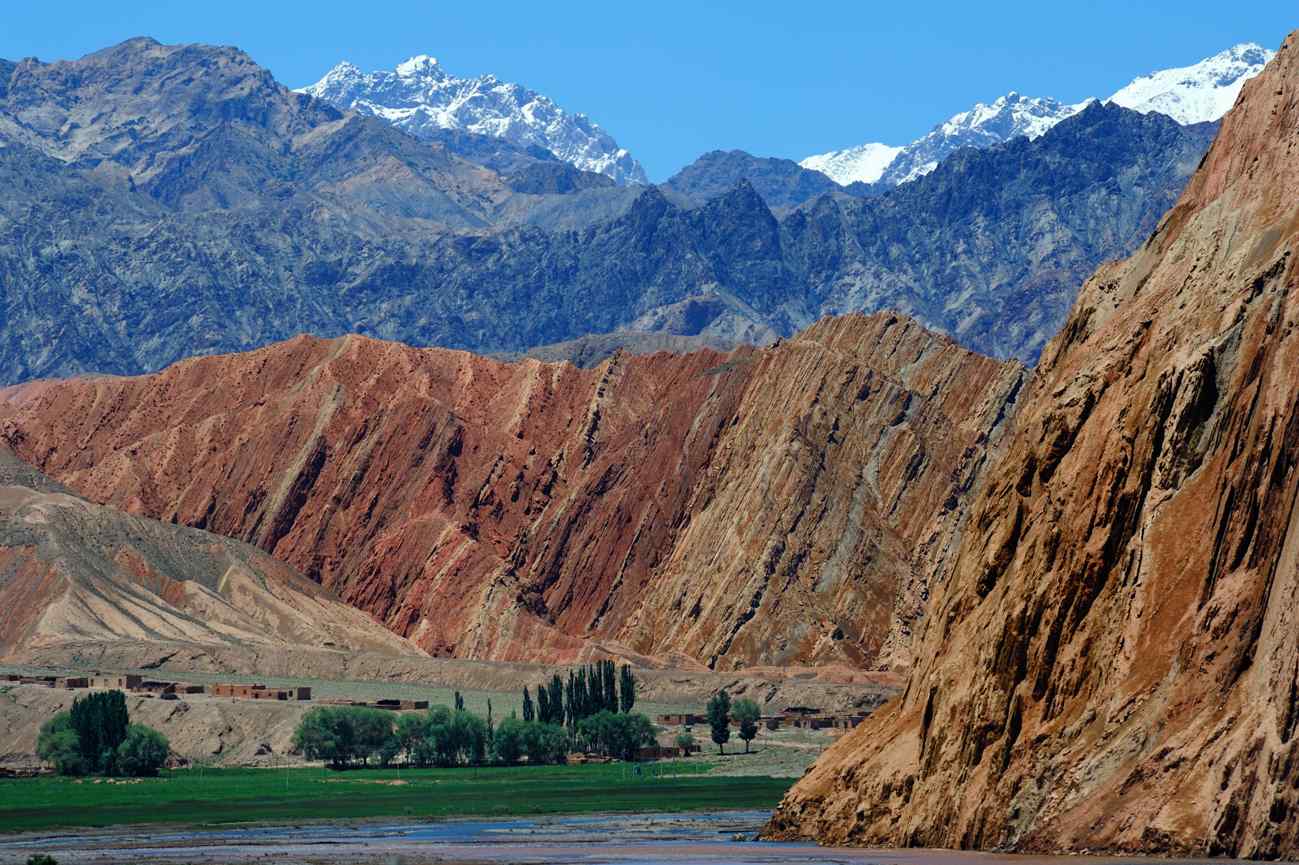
590 690
720 712
346 736
97 738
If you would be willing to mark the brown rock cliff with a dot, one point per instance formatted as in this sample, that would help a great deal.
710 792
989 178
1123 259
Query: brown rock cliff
1113 661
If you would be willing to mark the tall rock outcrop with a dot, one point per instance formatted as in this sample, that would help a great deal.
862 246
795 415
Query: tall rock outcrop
766 506
1113 661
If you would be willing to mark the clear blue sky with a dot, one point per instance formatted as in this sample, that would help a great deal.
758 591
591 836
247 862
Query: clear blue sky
671 80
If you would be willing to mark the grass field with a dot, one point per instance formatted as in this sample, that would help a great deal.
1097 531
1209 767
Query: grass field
219 796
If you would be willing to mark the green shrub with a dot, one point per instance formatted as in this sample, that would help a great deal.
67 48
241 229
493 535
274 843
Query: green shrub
42 859
59 745
142 753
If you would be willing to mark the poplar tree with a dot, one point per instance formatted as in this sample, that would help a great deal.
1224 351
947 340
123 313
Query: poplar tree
610 686
627 688
543 705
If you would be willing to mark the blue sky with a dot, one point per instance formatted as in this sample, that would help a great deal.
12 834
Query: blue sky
671 80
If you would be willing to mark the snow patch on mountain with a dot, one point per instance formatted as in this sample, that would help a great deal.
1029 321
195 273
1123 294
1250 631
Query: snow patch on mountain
1199 93
864 163
420 97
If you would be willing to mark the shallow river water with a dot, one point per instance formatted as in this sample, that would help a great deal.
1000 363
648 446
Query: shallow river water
690 839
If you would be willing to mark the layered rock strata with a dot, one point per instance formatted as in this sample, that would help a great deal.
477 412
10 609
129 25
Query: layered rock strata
1112 662
767 506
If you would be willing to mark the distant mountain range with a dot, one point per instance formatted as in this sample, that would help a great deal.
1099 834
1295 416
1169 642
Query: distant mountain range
421 97
160 202
1199 93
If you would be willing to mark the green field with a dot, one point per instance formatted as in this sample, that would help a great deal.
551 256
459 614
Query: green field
218 796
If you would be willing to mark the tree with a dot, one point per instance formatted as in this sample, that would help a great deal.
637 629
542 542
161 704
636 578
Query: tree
460 702
543 704
100 721
627 688
529 715
545 743
372 729
616 735
610 686
321 735
59 745
686 742
556 700
507 742
441 740
42 859
636 732
746 712
580 704
469 734
342 735
570 703
143 752
411 740
390 750
719 718
456 738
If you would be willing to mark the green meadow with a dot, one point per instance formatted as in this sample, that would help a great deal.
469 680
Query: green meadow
205 797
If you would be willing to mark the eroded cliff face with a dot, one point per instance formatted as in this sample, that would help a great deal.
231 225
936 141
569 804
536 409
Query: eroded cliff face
768 506
1111 662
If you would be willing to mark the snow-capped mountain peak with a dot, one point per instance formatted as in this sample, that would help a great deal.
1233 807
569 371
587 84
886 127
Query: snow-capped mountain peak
1010 116
420 96
419 65
1191 94
1198 93
983 125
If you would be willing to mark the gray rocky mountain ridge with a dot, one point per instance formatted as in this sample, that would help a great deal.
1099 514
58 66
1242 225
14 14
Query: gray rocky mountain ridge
166 201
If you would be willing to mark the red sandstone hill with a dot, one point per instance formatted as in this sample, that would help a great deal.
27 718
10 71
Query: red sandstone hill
73 571
773 506
1113 661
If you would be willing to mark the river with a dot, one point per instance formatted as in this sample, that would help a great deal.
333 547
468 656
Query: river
681 839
